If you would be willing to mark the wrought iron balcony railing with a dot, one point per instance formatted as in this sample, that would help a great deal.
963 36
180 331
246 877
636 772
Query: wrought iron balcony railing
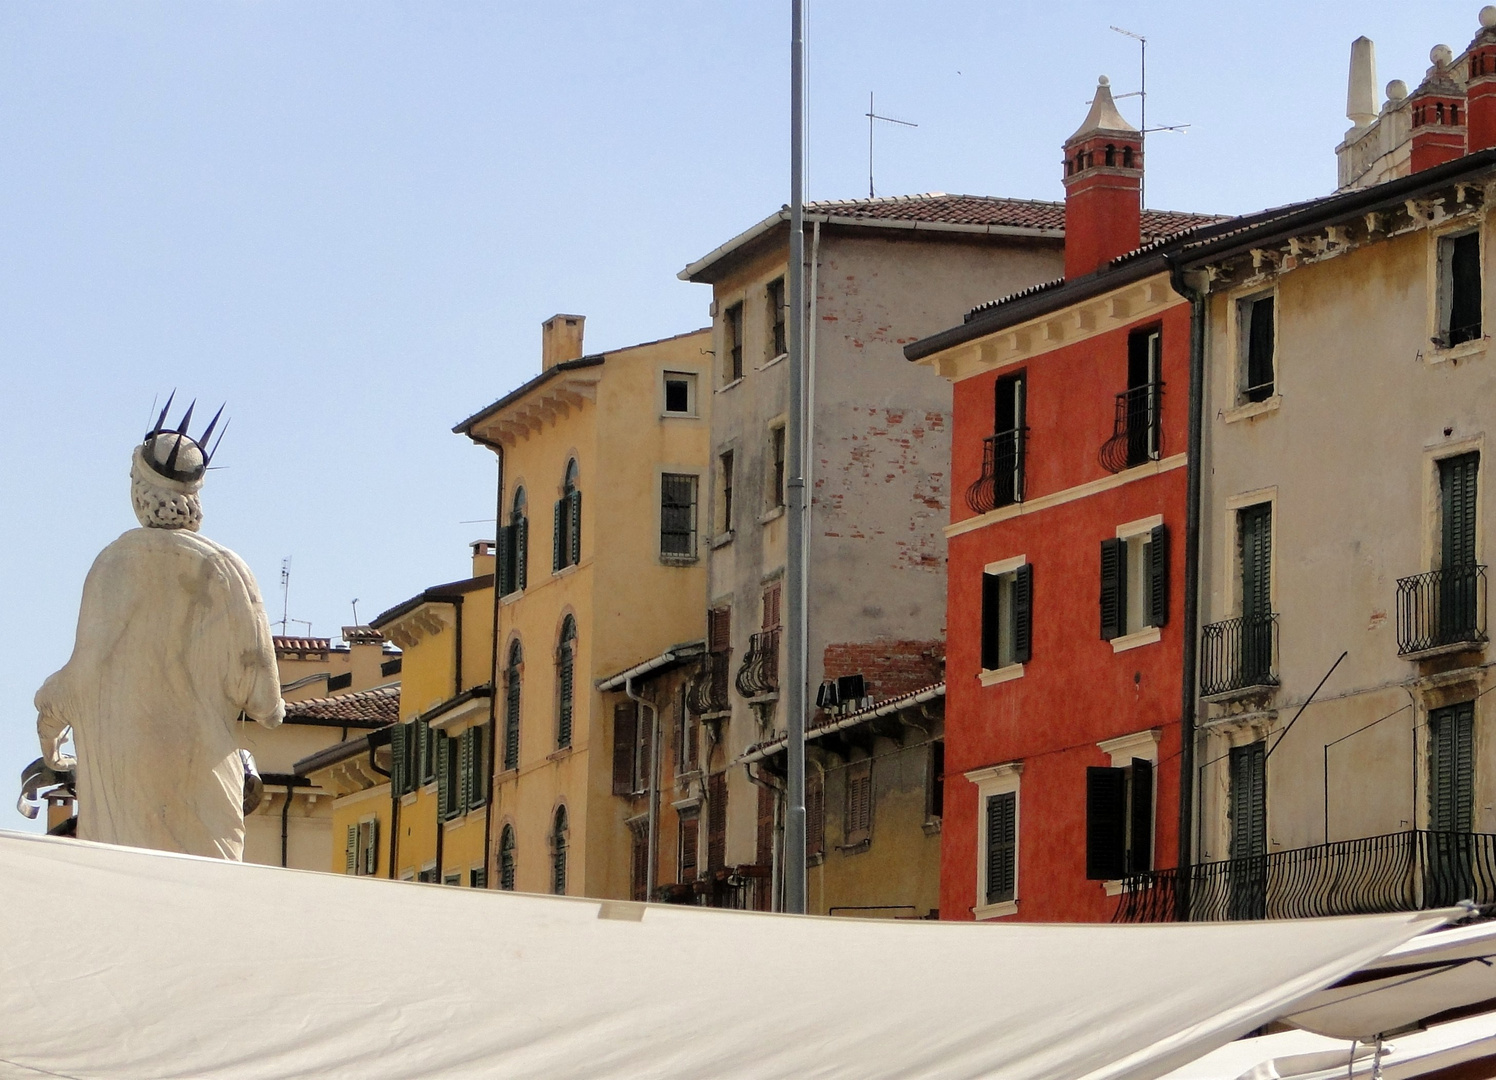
1441 608
1136 437
1405 871
759 673
1239 654
707 692
1001 482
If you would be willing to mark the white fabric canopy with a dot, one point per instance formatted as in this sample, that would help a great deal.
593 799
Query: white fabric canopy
118 962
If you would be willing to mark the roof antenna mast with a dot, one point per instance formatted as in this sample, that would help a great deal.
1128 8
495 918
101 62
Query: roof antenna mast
1142 95
872 116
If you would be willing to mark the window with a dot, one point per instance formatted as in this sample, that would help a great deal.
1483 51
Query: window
1248 800
639 863
478 877
1134 582
776 472
632 749
427 874
1007 615
680 393
565 681
859 813
774 297
514 546
724 488
687 738
1000 864
1451 765
479 767
1119 820
935 783
690 828
764 850
716 821
402 772
1144 396
462 768
678 515
512 674
732 343
568 526
1004 451
1254 525
1257 327
506 859
1459 290
363 848
815 812
558 852
452 877
1457 510
771 605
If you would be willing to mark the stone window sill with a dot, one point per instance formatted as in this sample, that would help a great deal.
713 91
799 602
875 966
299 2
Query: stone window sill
996 911
722 539
1138 638
1249 409
728 385
771 514
1468 350
770 363
991 677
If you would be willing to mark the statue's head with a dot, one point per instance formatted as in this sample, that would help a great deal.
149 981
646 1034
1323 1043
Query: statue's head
166 473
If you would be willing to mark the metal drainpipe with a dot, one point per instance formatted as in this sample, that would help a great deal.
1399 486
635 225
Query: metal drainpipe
1193 473
654 772
493 668
286 825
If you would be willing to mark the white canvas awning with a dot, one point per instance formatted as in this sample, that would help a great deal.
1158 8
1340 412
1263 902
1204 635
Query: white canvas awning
117 963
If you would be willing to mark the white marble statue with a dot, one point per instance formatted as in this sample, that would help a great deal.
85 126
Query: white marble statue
172 647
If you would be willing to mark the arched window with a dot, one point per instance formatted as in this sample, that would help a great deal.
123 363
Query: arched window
506 858
568 531
1127 157
511 707
514 548
565 681
558 853
1110 158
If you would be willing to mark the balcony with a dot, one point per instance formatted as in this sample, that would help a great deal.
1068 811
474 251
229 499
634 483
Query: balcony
1405 871
1239 655
1442 610
759 674
1135 429
1001 482
707 692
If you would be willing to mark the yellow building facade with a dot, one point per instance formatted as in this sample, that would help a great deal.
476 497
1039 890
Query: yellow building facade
601 559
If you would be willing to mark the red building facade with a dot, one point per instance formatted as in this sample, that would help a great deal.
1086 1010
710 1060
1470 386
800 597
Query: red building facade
1066 557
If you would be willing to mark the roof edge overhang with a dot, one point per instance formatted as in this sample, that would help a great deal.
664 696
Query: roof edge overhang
670 658
450 593
518 394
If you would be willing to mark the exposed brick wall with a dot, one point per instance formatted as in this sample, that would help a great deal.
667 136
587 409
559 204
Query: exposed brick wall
891 667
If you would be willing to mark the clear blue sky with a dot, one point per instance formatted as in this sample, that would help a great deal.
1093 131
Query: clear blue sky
349 219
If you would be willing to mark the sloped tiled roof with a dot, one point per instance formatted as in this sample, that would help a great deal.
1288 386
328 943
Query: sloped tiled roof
378 706
938 207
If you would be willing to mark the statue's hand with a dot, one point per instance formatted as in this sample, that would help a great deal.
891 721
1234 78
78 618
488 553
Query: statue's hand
52 733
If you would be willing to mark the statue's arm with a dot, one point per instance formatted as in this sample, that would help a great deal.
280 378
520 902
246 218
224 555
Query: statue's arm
52 726
256 688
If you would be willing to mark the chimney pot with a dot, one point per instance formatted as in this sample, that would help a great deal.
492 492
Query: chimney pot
1103 187
561 340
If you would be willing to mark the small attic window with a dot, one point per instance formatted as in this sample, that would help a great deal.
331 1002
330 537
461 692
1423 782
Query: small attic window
1127 157
680 393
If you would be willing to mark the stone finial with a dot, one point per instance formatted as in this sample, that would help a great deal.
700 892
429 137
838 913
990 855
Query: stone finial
1396 91
1103 115
1361 91
1488 17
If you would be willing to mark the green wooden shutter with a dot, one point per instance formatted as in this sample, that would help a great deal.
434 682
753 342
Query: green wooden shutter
1113 588
625 739
511 720
1457 491
464 771
1248 801
480 877
1002 846
1452 768
1158 576
350 852
566 674
1256 529
443 784
398 770
371 847
1106 823
991 621
1140 825
1023 613
574 534
503 560
522 553
558 536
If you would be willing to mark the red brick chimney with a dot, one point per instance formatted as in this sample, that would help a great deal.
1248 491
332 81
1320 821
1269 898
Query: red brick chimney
1103 184
1480 86
1438 113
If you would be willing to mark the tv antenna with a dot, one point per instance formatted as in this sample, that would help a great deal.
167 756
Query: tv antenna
872 117
355 611
1142 95
285 592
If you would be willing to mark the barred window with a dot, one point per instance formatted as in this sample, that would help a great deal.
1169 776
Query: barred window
678 515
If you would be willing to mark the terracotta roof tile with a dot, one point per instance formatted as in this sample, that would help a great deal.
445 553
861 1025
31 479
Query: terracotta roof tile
990 210
380 705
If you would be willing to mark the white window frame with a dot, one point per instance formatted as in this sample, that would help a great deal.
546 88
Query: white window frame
1144 745
997 780
1239 331
1134 535
690 379
1008 672
1440 289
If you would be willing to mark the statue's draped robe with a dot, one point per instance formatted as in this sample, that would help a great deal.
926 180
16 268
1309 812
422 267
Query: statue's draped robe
173 644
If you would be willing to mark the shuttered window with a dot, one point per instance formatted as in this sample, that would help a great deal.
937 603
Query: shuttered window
774 299
639 864
1459 258
1119 820
687 739
478 877
368 847
1258 319
771 606
1457 489
815 812
1113 588
1255 529
625 744
690 829
565 681
859 815
511 707
1144 395
678 515
558 852
776 459
732 342
514 544
716 822
1134 590
506 858
448 774
1002 847
350 851
399 766
765 846
1451 732
1158 576
1248 800
428 761
1007 617
567 531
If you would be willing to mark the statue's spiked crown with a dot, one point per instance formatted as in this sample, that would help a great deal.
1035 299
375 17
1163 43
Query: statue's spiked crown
175 454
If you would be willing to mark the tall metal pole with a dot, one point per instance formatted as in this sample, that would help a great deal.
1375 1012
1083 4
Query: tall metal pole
794 689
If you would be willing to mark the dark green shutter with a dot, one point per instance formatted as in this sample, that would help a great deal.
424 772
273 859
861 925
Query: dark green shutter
574 534
1140 827
1106 823
991 621
1113 588
1023 613
1248 801
511 720
521 553
443 784
1002 846
480 878
423 751
352 850
1452 768
1457 494
504 560
565 676
625 741
1158 576
1256 525
558 536
464 772
398 778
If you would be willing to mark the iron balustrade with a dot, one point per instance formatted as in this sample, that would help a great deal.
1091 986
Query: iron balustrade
1239 654
707 692
1404 871
759 674
1135 429
1001 482
1441 608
